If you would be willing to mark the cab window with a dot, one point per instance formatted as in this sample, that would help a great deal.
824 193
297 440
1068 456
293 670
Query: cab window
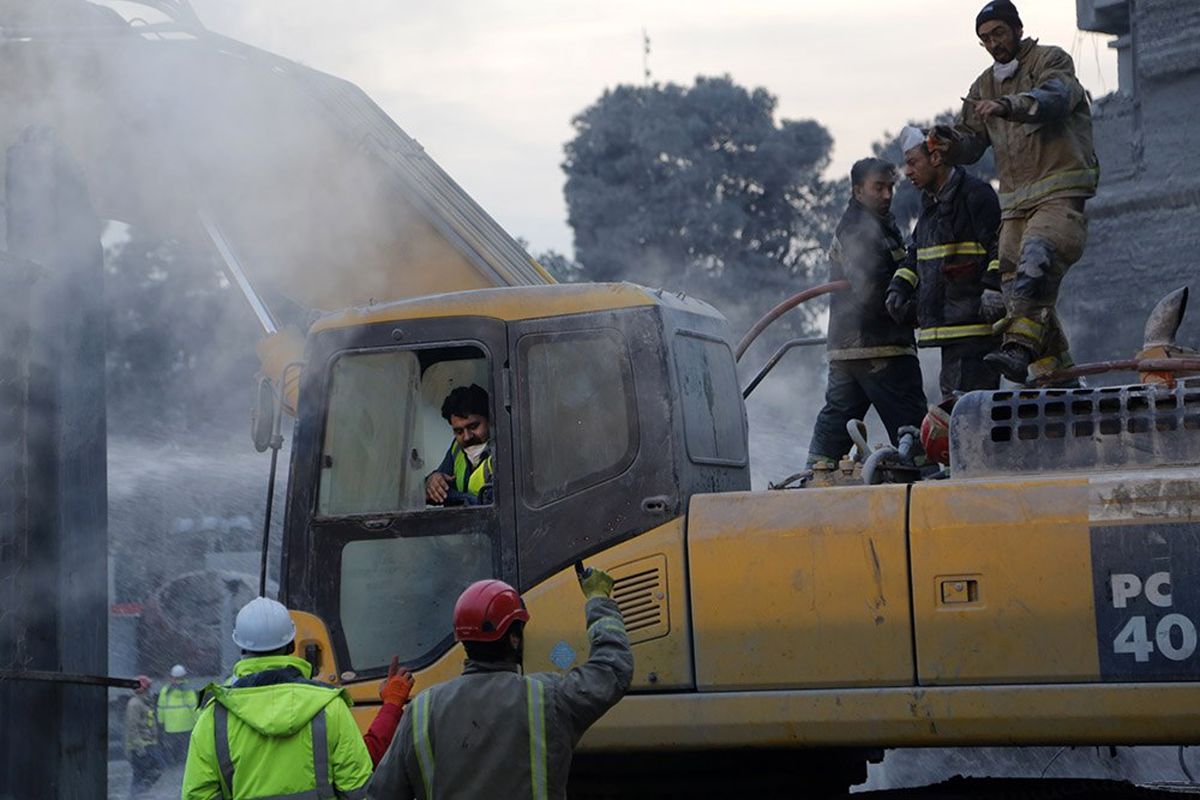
713 423
397 595
579 417
385 433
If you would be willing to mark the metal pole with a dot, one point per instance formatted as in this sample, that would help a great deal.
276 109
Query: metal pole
233 266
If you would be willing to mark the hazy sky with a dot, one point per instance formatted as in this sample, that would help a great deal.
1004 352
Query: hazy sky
489 87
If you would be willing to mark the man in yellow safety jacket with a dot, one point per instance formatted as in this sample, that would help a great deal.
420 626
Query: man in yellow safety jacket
177 711
274 732
465 475
1030 108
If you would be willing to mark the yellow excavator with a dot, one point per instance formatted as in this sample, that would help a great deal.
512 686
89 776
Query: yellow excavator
1046 591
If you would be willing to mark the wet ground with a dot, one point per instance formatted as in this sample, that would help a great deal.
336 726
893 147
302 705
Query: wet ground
902 769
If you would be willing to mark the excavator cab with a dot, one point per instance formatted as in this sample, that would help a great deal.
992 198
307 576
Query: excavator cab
609 407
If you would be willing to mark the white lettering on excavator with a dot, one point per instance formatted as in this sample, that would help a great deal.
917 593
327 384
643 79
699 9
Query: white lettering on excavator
1174 635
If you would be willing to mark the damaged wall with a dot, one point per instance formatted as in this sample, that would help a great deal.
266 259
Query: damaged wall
1144 237
53 513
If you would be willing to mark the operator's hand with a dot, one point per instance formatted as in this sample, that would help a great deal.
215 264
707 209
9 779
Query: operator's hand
990 108
596 583
398 685
437 488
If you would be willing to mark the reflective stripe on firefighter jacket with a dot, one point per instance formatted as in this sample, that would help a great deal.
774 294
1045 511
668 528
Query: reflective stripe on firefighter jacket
467 479
276 734
947 266
177 709
493 733
866 251
1043 147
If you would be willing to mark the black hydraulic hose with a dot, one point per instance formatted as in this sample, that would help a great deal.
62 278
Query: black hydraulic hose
266 540
784 307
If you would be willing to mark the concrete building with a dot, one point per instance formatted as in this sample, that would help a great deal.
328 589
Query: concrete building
1145 222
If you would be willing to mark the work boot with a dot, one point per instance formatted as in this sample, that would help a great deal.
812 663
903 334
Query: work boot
1013 362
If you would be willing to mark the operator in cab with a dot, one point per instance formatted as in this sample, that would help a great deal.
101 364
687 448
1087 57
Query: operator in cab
465 475
494 732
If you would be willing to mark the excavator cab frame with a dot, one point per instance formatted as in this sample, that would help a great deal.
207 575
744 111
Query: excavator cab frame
603 424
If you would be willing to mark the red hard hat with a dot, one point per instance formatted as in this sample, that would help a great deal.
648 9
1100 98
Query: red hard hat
935 433
485 610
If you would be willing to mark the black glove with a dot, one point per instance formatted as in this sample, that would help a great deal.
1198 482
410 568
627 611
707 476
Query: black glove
898 301
991 306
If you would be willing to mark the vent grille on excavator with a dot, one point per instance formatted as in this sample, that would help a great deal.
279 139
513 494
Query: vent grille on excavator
1048 430
640 593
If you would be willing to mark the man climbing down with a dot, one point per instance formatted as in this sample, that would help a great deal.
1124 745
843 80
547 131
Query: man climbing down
945 285
872 359
1032 111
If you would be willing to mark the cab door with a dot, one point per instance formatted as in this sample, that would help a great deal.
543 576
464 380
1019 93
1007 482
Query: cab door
593 428
364 550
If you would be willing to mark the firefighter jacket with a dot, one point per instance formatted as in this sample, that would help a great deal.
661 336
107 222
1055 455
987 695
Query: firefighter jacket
952 258
492 732
177 708
275 733
866 251
1043 146
141 730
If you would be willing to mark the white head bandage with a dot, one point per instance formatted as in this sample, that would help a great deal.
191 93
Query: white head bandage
911 137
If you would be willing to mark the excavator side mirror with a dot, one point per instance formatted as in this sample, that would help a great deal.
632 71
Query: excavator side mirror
262 417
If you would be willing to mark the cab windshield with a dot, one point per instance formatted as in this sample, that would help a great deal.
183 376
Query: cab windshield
386 435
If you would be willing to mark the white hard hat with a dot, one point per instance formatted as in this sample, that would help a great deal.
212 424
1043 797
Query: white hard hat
263 625
178 671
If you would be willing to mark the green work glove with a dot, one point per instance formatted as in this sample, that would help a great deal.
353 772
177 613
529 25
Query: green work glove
596 583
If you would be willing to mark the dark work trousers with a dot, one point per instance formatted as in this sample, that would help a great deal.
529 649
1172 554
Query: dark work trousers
963 367
891 385
146 767
175 746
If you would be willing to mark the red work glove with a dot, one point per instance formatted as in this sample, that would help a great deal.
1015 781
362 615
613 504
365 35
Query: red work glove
398 685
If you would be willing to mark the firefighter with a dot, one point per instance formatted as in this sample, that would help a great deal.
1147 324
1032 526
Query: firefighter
465 475
273 732
141 739
946 286
177 710
872 359
492 732
1032 111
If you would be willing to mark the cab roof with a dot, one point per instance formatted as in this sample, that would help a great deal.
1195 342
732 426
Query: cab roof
514 303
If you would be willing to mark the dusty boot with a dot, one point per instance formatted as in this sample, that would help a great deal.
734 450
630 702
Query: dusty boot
1013 362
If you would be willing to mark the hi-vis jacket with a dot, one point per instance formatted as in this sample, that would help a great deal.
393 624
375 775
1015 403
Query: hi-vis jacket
468 479
1043 147
177 708
494 733
952 258
276 734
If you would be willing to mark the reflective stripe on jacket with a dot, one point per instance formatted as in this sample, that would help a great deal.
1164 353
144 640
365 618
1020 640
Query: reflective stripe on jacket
1044 147
866 251
177 709
955 241
276 734
493 733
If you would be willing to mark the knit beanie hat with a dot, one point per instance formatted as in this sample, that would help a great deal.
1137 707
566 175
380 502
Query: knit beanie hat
1002 10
